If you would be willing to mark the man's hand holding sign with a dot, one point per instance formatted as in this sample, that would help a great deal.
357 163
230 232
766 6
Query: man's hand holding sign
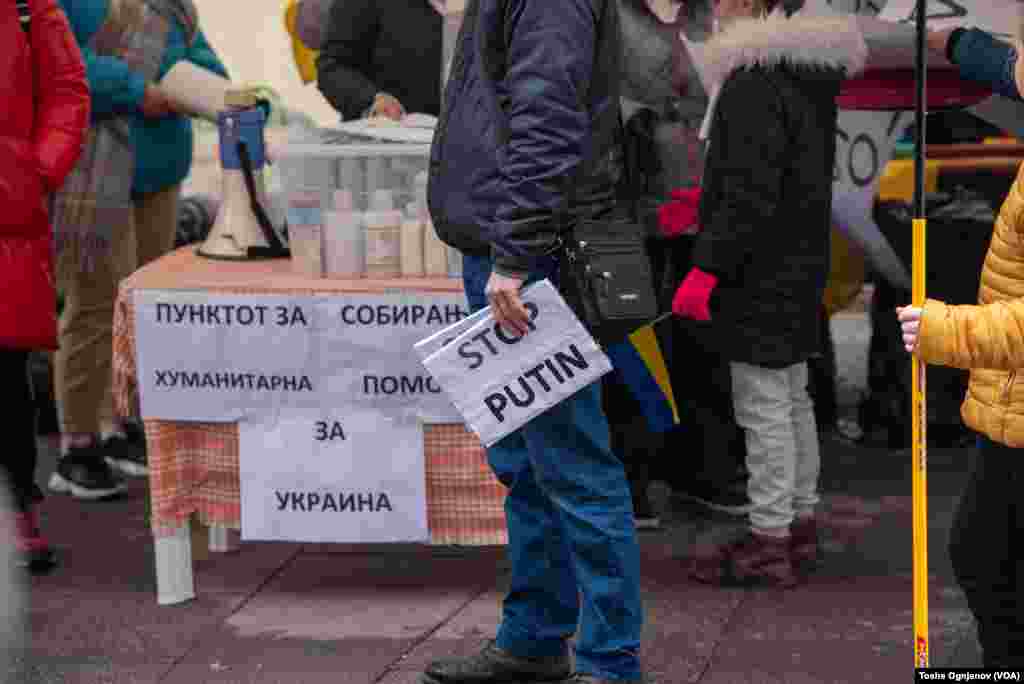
506 303
527 354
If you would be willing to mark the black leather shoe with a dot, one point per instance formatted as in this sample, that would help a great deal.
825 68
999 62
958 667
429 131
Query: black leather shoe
495 666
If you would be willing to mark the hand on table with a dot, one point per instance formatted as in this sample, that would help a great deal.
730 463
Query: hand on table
387 105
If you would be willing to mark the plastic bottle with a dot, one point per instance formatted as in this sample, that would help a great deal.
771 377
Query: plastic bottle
344 239
420 192
275 205
412 243
383 225
305 233
435 253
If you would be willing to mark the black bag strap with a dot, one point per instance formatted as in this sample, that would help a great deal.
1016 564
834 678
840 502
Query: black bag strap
275 248
24 14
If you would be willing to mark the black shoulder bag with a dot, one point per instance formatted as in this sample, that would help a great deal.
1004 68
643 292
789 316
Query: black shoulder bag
604 268
606 275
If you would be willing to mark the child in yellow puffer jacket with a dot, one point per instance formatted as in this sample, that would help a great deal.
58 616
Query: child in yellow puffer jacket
988 339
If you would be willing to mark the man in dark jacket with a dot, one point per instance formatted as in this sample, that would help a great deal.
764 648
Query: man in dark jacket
529 127
382 57
762 259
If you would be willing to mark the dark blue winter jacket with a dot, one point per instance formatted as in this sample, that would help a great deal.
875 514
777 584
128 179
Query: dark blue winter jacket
533 91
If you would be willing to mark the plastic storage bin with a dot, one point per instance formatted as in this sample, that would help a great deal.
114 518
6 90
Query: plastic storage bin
364 190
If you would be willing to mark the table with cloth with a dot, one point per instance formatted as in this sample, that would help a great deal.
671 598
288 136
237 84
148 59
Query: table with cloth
194 467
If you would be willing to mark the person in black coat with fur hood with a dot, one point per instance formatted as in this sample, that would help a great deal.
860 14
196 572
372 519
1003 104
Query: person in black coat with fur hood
761 261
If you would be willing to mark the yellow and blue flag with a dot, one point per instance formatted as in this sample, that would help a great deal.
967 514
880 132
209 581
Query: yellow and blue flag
640 364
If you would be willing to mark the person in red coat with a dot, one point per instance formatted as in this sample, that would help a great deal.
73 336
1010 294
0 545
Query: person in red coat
43 122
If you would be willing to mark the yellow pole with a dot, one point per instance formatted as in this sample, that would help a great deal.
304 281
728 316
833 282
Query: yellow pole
920 450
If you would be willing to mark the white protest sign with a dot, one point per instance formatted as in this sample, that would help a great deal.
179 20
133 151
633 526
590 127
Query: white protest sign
499 382
222 357
426 347
332 477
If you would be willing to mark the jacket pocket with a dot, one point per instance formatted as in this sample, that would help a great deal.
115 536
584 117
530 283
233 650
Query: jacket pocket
22 193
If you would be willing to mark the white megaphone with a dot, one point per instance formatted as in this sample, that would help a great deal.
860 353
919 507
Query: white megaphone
243 230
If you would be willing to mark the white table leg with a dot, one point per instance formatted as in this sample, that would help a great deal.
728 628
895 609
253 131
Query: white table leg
174 580
220 540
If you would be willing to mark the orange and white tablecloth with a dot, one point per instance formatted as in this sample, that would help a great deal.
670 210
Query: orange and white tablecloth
194 467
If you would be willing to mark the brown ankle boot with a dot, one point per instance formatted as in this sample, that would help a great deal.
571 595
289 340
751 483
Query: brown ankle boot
804 544
752 560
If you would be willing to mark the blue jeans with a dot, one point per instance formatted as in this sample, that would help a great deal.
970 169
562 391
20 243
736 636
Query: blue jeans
572 542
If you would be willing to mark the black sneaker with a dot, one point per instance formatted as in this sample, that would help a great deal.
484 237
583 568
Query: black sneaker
732 500
492 664
84 474
135 432
126 455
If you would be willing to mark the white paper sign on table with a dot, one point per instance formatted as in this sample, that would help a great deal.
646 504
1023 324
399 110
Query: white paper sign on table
352 476
222 357
367 352
499 382
217 358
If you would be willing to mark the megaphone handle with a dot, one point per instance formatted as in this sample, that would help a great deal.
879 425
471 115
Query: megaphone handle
275 247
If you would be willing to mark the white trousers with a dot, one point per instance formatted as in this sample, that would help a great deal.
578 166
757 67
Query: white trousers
783 458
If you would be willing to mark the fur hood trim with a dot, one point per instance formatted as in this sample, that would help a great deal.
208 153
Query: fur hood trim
823 42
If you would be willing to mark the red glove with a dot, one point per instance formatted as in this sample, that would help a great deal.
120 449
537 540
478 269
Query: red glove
691 300
679 216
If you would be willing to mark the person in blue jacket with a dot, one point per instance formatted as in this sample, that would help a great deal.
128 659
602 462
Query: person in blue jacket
529 140
117 211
